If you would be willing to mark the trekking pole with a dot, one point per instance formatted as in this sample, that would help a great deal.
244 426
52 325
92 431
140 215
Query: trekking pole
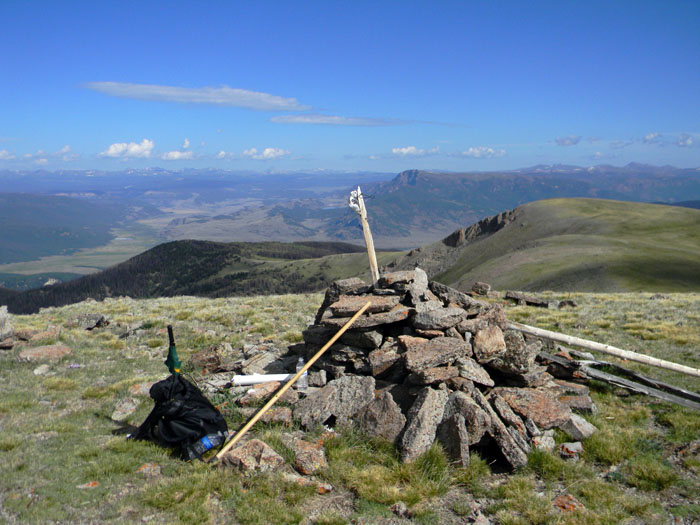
288 384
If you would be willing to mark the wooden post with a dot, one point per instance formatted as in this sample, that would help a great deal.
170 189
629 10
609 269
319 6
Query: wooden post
357 203
606 349
289 384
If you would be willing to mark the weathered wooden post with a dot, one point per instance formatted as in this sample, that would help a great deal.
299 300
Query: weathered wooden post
357 203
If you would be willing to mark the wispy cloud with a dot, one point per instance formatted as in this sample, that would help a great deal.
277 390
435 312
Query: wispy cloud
216 95
225 155
336 120
570 140
6 155
685 140
186 143
177 155
620 144
265 154
482 152
131 150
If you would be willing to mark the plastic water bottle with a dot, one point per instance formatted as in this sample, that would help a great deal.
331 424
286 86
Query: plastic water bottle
303 381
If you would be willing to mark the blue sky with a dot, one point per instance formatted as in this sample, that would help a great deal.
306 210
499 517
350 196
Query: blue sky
378 86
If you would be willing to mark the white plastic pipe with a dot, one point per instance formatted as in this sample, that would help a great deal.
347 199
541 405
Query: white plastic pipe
260 378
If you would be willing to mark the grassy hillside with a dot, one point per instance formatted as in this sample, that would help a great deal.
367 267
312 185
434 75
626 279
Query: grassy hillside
65 460
576 245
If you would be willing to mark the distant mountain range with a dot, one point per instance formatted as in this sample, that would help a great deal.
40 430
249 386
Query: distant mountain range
417 207
559 244
410 209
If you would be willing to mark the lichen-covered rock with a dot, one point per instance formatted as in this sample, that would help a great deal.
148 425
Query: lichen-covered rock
309 458
488 343
537 404
439 318
396 314
578 428
381 417
476 419
428 353
48 352
470 369
263 391
348 305
338 401
253 456
383 359
452 297
452 434
429 376
518 357
422 422
370 339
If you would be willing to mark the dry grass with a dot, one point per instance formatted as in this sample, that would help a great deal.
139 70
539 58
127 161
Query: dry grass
62 436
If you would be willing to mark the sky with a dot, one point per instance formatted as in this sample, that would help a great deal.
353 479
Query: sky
330 85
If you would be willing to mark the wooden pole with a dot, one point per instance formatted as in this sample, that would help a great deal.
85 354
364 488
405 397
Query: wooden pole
357 203
289 383
606 349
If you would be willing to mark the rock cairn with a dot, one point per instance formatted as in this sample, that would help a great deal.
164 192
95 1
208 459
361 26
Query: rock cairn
428 362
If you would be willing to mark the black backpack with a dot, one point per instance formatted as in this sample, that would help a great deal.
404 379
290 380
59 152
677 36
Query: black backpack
182 417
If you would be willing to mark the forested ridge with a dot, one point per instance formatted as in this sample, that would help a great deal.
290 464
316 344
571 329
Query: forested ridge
203 268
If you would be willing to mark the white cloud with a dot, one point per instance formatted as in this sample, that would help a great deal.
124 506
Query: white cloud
570 140
685 140
67 154
266 154
6 155
177 155
130 150
225 155
408 151
483 152
42 161
186 143
651 138
219 96
335 120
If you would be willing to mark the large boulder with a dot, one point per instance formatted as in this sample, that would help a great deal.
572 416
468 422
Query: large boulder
6 328
337 402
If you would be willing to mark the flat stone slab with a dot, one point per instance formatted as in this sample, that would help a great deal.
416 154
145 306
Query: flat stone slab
452 297
536 403
348 305
477 421
48 352
429 376
452 434
428 353
396 314
438 319
470 369
363 339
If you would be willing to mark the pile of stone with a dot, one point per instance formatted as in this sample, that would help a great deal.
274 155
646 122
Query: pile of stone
428 362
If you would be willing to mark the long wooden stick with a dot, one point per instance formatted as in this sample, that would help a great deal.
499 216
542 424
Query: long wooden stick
606 349
289 383
357 203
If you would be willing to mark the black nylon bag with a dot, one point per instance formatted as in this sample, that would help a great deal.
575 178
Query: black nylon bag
181 417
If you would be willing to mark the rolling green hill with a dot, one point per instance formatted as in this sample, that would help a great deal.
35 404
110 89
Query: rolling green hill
572 244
